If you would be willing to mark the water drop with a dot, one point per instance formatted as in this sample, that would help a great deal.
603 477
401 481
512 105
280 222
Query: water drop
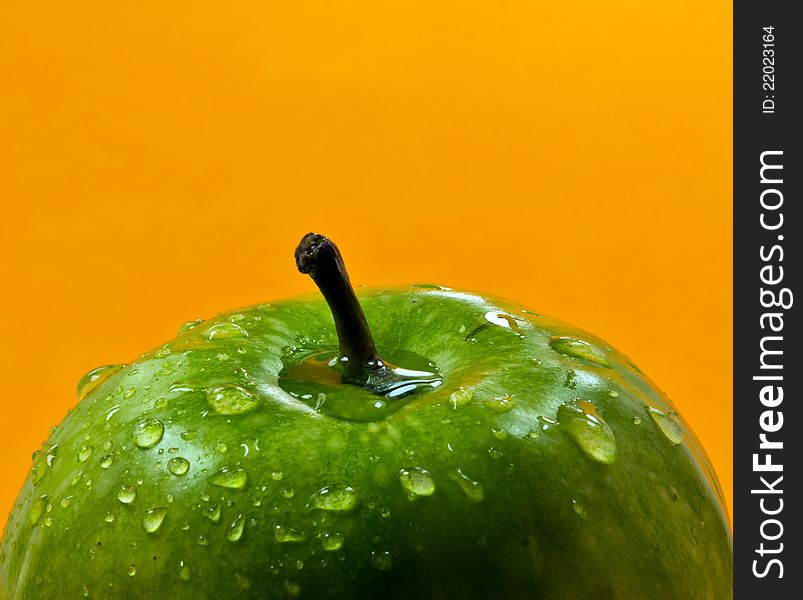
288 535
127 494
589 431
382 560
189 435
501 404
189 326
162 352
153 518
221 447
203 540
577 348
129 393
36 510
106 461
668 424
417 482
337 498
233 478
613 394
85 452
184 572
178 466
331 541
225 331
461 397
213 513
580 510
148 432
636 420
231 400
503 320
65 502
132 570
473 489
235 530
94 378
109 518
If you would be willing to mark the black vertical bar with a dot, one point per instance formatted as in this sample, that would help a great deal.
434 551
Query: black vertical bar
767 268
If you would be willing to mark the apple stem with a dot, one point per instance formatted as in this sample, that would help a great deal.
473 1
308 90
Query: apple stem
318 257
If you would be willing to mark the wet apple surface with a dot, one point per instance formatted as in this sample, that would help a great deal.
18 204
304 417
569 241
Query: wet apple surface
529 459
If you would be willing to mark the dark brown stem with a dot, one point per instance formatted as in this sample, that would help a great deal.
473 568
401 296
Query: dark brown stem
318 257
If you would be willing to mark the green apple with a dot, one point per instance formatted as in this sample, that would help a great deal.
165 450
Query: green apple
463 447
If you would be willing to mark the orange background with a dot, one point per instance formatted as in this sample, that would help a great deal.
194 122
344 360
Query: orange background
160 160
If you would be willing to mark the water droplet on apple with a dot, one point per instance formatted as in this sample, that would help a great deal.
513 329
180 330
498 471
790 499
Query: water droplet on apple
65 502
288 535
162 352
577 348
231 400
233 478
213 513
184 572
589 431
225 331
178 466
106 461
36 510
109 518
189 326
189 435
500 404
636 420
336 498
132 570
236 528
84 452
148 432
94 378
153 518
580 510
668 424
331 541
472 489
503 320
127 494
417 482
461 397
129 393
382 560
203 540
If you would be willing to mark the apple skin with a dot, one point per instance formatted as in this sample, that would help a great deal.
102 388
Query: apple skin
529 514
